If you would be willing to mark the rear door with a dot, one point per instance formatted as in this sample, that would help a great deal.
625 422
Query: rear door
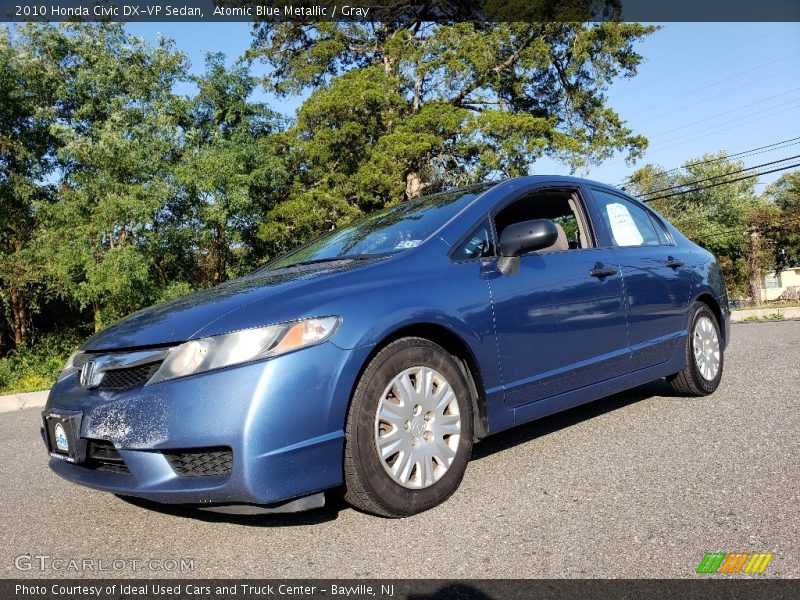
560 319
656 282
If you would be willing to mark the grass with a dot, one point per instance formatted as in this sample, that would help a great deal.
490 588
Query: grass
767 317
771 305
773 317
36 368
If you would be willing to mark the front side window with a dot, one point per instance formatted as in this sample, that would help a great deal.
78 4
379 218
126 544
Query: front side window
478 244
563 207
628 224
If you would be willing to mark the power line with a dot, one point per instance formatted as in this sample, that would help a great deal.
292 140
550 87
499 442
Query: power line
713 185
690 137
761 150
694 64
725 93
682 139
752 151
733 110
738 230
724 79
723 175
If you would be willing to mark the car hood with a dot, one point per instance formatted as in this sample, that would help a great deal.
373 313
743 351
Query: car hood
209 312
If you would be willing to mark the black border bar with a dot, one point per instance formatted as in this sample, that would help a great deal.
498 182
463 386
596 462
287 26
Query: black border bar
701 587
449 11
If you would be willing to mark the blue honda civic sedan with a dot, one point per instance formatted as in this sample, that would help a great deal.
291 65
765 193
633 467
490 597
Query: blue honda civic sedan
372 358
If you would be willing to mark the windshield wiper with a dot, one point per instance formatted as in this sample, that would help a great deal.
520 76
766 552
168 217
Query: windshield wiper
329 259
343 257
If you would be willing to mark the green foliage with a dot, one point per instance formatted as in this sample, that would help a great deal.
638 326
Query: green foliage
37 367
401 107
25 160
781 221
773 316
229 171
116 126
156 194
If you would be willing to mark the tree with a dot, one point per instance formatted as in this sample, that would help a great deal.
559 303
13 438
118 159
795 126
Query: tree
116 128
229 171
401 106
718 217
25 160
781 221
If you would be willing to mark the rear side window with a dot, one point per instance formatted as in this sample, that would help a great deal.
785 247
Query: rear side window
628 224
666 237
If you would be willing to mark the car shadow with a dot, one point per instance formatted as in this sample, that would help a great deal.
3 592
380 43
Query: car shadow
334 501
547 425
330 512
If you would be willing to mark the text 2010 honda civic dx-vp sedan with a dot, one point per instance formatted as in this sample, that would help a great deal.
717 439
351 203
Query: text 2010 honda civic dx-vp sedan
375 356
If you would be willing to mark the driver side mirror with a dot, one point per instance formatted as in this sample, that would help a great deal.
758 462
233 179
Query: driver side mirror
522 237
527 236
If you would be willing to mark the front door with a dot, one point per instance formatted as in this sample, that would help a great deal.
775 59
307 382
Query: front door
560 319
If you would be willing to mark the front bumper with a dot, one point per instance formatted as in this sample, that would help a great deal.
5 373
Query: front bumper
282 418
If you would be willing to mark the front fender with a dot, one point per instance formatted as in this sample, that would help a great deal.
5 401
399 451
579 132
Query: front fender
455 297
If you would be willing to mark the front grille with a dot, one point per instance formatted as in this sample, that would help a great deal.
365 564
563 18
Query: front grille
103 456
124 379
200 462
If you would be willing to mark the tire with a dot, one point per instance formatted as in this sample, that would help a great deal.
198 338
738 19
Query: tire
699 377
409 478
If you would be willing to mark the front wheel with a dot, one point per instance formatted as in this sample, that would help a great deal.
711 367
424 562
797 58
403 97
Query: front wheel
409 430
704 355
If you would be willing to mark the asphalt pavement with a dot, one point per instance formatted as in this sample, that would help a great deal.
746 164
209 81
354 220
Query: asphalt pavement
641 484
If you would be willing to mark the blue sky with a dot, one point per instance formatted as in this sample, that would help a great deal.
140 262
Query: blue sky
703 87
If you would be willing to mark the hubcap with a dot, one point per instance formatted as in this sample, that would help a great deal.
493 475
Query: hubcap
706 348
417 427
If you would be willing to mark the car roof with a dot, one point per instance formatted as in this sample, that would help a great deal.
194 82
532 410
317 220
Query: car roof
526 180
488 197
567 179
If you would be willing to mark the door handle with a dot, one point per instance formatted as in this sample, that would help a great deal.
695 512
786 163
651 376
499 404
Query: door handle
673 263
600 271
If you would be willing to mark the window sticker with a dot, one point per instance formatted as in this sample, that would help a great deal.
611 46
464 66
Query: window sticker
623 227
407 244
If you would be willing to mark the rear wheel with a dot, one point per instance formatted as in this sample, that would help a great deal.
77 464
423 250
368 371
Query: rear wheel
704 355
409 430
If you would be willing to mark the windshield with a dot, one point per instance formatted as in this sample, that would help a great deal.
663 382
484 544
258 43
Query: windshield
387 231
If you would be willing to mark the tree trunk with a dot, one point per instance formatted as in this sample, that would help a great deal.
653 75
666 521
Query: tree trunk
414 185
417 101
754 266
390 65
19 316
98 317
219 265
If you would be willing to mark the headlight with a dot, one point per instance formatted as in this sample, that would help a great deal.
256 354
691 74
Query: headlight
206 354
76 360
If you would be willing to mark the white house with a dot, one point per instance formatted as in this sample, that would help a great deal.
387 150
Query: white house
776 285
